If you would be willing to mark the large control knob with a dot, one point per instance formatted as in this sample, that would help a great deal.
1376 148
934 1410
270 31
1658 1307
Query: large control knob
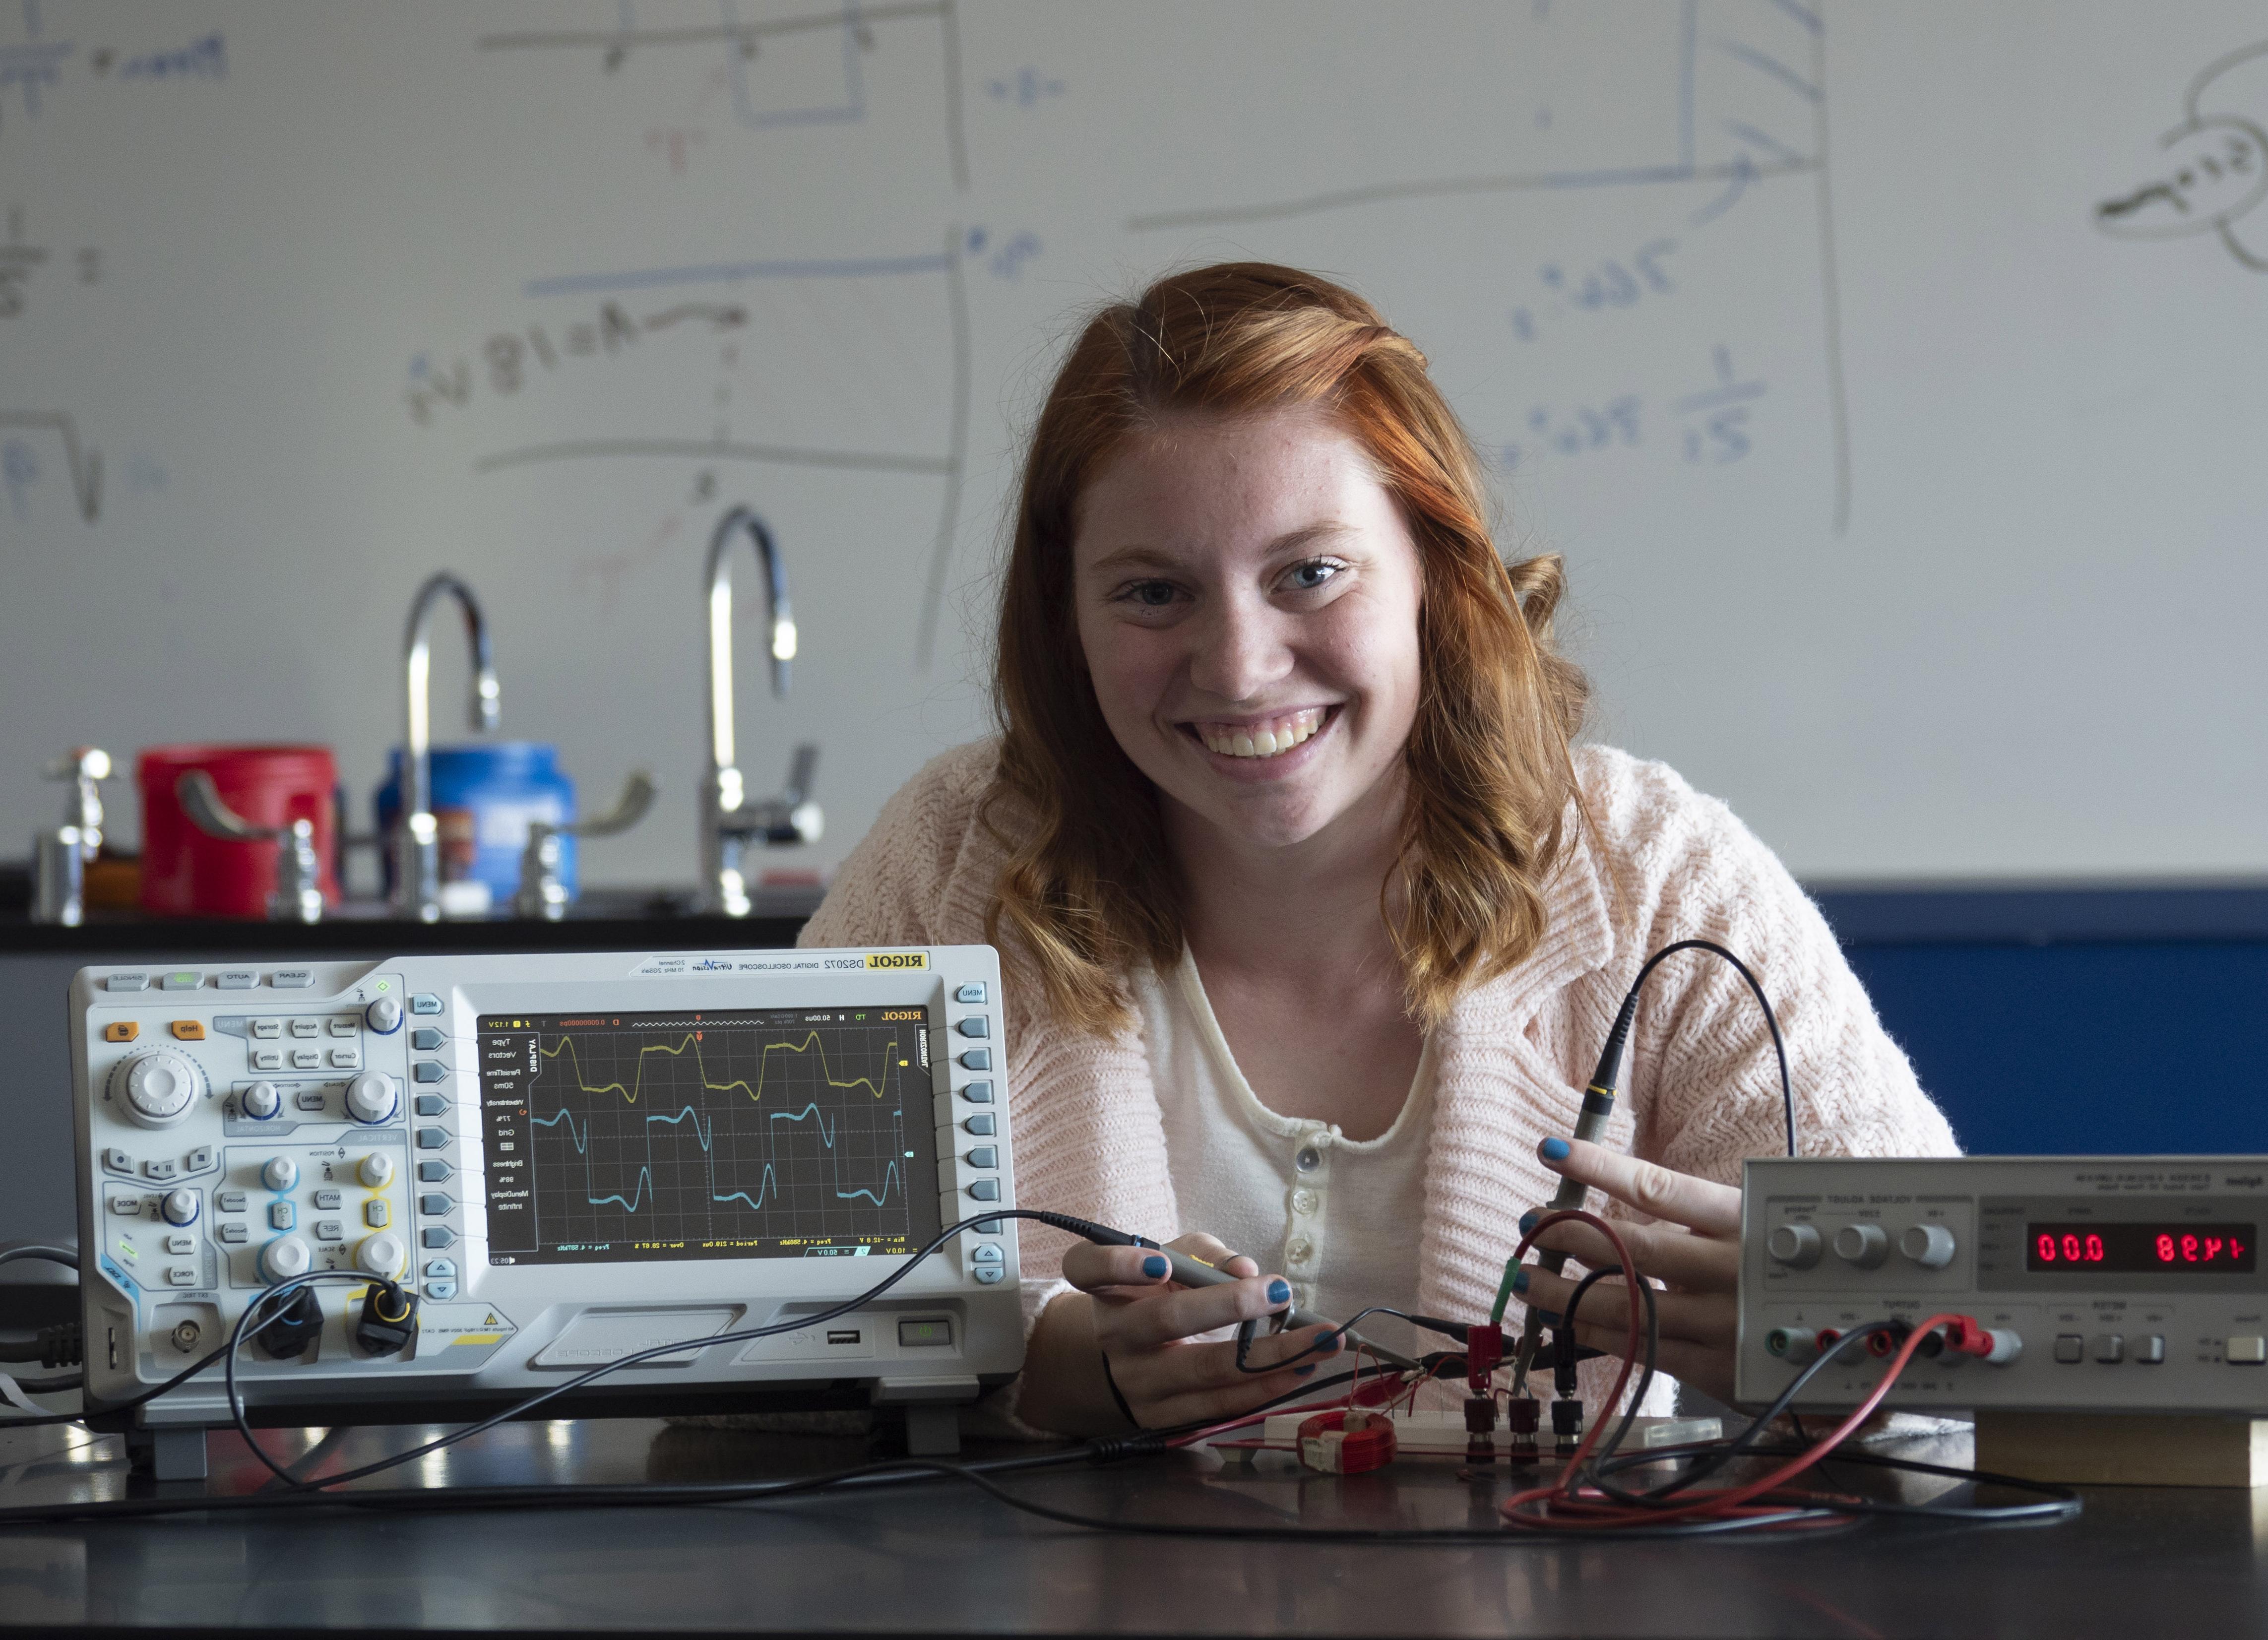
377 1170
370 1097
262 1101
160 1087
281 1172
381 1255
285 1257
1865 1245
180 1206
1796 1246
383 1016
1929 1245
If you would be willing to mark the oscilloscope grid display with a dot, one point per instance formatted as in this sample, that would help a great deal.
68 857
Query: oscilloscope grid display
775 1132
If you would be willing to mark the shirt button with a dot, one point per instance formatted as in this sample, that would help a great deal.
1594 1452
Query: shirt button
1303 1201
1299 1251
1309 1159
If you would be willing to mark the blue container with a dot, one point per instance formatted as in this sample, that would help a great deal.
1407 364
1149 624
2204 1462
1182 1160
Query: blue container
485 798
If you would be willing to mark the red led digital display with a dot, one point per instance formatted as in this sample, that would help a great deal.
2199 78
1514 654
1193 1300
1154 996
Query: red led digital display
2166 1249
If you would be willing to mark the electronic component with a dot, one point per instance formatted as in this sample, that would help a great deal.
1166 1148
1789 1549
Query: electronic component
1348 1442
542 1163
2082 1283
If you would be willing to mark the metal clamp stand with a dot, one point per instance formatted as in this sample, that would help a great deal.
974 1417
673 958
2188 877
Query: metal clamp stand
542 892
298 896
62 854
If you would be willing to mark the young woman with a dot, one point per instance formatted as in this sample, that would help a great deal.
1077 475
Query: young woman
1313 918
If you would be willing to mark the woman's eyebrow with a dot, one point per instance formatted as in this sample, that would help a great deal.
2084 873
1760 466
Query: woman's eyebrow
1145 557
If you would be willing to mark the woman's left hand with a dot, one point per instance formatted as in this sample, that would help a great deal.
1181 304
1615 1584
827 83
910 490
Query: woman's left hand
1696 1250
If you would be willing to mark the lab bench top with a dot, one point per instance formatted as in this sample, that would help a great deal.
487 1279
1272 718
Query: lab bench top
944 1558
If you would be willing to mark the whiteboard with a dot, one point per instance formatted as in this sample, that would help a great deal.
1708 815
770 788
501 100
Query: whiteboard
1890 376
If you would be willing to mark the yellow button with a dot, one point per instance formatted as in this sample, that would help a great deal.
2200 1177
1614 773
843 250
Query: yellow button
188 1030
121 1031
374 1215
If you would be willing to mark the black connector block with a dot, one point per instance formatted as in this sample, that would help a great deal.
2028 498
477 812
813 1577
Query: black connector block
387 1320
289 1335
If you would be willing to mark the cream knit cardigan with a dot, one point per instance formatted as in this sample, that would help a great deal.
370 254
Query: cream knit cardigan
1700 1091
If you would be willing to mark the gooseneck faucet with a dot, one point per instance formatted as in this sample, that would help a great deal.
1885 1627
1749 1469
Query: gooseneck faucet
417 843
730 822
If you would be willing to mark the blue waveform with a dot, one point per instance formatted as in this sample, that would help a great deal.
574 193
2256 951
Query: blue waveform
766 1181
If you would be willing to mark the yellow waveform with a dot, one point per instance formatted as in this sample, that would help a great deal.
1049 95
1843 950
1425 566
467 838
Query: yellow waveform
809 1044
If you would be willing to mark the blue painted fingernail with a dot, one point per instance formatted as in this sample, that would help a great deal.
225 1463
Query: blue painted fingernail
1557 1149
1306 1372
1527 1220
1519 1279
1154 1266
1279 1291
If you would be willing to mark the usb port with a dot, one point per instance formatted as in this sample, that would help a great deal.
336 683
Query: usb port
850 1337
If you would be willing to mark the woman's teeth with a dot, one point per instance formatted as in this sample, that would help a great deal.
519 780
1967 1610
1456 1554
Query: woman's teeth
1271 738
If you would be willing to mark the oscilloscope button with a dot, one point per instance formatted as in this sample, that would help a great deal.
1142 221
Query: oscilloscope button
440 1269
972 992
229 1201
431 1104
976 1059
984 1156
976 1026
440 1291
437 1236
433 1173
429 1070
434 1204
987 1274
978 1092
425 1039
980 1124
117 1160
433 1138
292 979
424 1002
126 982
985 1191
986 1252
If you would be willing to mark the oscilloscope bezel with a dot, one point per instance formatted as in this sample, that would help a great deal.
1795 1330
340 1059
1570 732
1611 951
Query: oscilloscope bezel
540 1303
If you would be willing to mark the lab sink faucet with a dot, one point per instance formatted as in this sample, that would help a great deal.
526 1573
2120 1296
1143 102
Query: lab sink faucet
417 843
730 821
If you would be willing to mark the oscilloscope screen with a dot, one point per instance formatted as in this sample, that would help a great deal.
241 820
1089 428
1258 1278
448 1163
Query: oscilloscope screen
775 1133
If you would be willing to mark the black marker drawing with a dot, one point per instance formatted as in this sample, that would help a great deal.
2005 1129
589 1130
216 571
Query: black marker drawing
86 464
2212 167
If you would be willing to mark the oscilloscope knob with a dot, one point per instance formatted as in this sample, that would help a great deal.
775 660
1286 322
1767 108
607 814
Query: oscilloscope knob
158 1089
383 1016
285 1257
381 1255
376 1171
262 1101
370 1097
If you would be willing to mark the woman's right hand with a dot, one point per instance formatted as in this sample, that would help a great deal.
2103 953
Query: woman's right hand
1129 1312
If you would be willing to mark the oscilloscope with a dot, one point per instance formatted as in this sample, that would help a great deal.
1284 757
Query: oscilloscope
566 1159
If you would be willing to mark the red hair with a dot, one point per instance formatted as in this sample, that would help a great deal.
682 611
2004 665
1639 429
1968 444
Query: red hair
1090 886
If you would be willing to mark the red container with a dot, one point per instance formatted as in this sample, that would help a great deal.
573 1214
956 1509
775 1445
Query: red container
187 872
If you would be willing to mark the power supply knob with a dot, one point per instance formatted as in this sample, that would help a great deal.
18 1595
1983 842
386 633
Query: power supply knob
1862 1244
1929 1245
180 1206
160 1087
381 1255
262 1101
285 1257
370 1097
281 1172
383 1016
1796 1245
377 1170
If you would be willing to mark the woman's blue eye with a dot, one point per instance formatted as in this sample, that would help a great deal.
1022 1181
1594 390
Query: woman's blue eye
1151 594
1314 573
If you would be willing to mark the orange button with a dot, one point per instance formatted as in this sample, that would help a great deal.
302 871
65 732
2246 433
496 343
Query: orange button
121 1031
189 1030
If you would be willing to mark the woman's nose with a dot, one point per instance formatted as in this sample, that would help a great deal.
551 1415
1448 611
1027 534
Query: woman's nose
1240 650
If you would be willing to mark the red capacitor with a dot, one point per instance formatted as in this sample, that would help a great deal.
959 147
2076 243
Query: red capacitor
1347 1443
185 872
